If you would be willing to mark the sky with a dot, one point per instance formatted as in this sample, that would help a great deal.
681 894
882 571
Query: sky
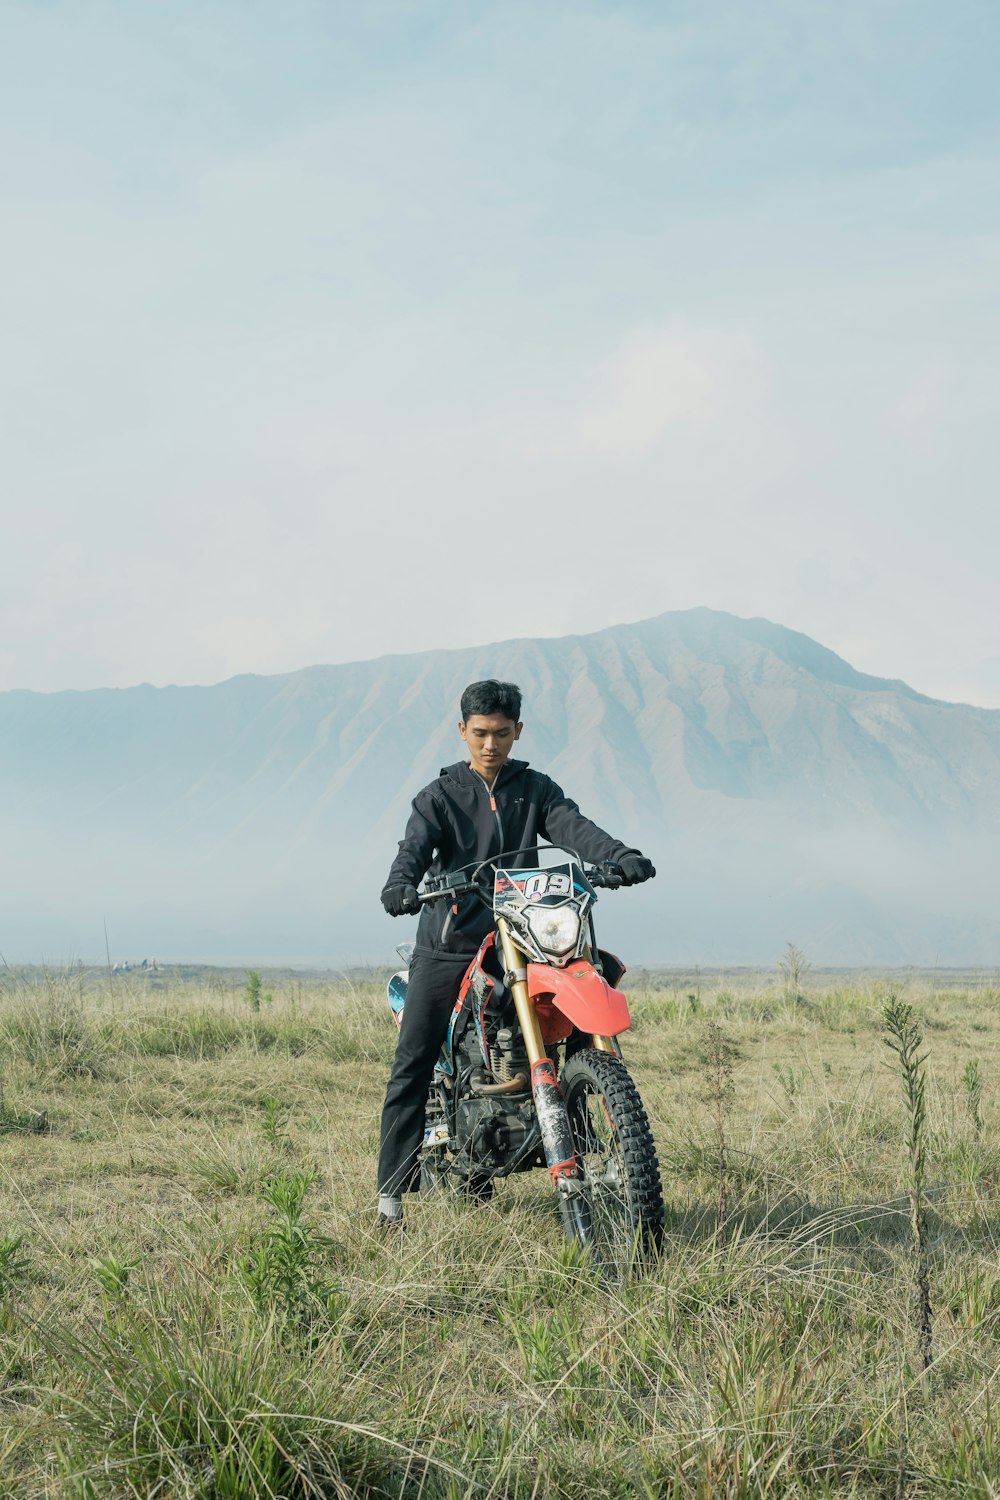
338 329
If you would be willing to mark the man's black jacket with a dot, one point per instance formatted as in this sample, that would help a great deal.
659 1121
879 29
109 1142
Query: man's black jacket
453 823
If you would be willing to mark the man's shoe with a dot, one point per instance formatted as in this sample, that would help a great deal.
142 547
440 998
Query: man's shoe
390 1228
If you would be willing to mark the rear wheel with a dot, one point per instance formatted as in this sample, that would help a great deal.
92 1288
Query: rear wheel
477 1188
430 1173
433 1166
438 1170
618 1210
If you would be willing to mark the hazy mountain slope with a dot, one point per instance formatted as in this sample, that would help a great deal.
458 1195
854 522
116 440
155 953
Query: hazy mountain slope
749 759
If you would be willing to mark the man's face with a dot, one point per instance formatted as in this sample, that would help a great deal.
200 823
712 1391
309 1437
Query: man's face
490 738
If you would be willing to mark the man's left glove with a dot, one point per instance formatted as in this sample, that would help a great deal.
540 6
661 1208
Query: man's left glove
401 900
635 868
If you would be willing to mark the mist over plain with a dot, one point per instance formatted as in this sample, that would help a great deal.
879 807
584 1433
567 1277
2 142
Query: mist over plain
783 796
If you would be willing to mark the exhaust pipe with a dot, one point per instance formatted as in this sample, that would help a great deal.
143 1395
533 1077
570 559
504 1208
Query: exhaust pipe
516 1085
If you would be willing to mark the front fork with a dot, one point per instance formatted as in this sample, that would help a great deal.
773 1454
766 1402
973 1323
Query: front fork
550 1107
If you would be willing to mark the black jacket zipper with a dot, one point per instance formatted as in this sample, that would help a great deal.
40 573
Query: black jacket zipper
491 793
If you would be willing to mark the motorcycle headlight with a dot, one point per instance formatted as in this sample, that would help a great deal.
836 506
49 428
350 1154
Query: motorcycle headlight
556 929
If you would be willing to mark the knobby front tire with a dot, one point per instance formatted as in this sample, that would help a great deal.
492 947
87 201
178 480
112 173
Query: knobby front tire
618 1214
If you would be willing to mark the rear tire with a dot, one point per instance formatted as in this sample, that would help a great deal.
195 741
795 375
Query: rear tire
618 1212
479 1189
434 1173
438 1170
430 1176
432 1163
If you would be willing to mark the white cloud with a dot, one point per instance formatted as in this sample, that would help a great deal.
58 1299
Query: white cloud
918 409
674 377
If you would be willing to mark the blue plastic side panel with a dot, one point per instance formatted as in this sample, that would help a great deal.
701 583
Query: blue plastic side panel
396 995
444 1063
396 992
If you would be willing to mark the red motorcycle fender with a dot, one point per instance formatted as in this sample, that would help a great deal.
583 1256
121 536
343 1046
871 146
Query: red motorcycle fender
582 995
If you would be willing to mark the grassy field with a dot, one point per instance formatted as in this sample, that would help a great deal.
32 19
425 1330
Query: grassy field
193 1301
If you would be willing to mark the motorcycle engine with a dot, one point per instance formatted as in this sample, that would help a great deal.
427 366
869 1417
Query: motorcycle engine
491 1131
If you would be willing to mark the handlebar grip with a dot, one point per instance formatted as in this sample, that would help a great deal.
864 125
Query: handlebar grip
447 893
450 893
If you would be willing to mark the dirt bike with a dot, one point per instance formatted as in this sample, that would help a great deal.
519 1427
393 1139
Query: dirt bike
498 1102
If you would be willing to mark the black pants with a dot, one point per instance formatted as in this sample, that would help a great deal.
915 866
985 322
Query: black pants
431 993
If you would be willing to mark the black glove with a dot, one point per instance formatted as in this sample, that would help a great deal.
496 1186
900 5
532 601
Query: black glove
635 868
401 900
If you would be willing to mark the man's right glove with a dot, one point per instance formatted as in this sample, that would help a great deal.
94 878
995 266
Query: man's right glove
635 868
401 900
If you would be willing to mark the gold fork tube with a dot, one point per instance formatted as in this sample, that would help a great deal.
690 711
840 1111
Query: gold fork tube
550 1107
514 960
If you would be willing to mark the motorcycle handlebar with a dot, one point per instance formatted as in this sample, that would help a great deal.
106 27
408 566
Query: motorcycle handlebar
603 877
447 892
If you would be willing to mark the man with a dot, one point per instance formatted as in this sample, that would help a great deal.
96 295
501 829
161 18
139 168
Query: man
473 810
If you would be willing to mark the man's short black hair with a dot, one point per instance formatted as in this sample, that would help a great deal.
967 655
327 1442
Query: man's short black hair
492 697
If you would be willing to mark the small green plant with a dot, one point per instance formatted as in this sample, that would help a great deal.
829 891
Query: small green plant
254 993
972 1083
791 1082
547 1344
904 1038
252 990
285 1274
274 1119
694 1002
793 969
15 1268
112 1274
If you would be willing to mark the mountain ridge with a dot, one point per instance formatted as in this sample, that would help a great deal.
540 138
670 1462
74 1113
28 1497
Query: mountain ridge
766 628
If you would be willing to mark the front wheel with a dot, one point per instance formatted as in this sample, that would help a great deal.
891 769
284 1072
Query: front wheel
617 1210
